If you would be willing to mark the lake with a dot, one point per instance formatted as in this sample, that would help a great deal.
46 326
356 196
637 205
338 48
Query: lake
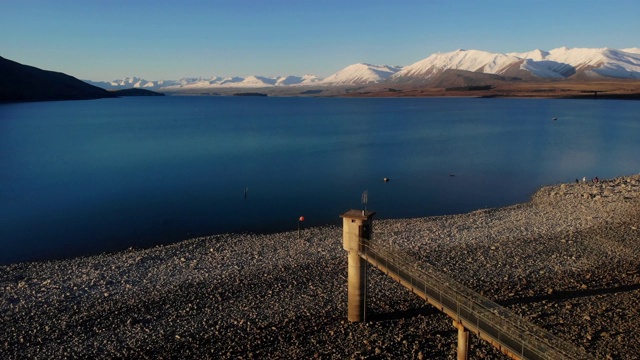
84 177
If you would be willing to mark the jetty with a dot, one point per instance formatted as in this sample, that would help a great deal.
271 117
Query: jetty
470 311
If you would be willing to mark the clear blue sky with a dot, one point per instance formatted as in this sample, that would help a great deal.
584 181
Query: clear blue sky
111 39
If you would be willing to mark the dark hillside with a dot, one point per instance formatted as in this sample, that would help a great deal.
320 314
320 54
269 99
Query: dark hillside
27 83
135 92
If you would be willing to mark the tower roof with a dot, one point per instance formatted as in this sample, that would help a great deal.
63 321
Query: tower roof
358 214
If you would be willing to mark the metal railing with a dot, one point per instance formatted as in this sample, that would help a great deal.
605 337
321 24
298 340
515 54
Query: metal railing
490 321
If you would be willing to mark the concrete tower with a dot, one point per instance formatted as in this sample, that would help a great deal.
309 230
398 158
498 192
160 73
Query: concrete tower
356 226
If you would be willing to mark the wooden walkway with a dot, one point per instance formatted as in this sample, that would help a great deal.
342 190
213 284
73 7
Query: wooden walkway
470 311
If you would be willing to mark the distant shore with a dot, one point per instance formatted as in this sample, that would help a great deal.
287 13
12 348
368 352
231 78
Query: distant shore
567 89
619 90
568 261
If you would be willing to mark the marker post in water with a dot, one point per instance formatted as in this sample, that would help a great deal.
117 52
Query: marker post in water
301 219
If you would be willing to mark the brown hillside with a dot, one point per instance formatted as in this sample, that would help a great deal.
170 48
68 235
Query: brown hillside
469 86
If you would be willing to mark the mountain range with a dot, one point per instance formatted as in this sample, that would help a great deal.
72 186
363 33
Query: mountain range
561 72
437 70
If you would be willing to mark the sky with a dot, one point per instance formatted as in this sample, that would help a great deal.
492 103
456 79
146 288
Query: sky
104 40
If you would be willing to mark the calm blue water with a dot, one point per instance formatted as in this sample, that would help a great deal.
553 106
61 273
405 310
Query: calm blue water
83 177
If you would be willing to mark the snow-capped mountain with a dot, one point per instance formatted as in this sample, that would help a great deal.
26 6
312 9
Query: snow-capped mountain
591 63
207 83
558 63
126 83
467 60
297 80
361 74
594 63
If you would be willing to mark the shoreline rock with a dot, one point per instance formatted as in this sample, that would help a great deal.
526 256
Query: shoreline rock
568 261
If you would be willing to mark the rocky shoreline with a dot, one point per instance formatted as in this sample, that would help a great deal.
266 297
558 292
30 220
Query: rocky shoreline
568 261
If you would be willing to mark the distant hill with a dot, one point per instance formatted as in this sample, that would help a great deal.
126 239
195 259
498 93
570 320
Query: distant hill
135 92
27 83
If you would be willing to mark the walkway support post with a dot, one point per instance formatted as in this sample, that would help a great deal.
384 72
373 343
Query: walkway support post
356 226
463 341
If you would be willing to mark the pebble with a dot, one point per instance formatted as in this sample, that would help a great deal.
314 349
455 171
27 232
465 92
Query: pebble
567 262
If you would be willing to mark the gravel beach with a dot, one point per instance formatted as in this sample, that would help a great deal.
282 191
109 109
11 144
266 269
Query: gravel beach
568 261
